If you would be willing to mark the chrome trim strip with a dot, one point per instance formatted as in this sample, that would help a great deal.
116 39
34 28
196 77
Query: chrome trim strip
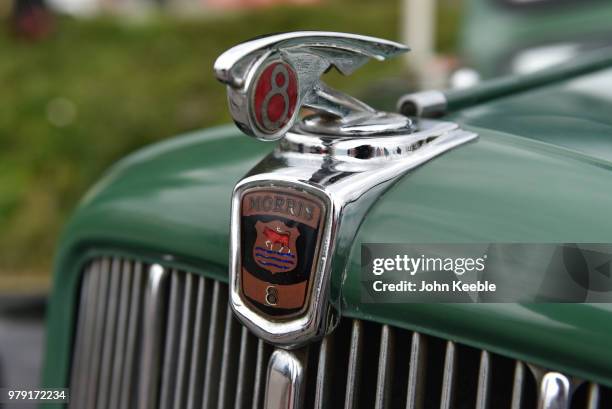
286 379
152 336
555 391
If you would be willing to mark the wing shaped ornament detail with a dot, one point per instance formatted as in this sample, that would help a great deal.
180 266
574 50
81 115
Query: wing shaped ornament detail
271 78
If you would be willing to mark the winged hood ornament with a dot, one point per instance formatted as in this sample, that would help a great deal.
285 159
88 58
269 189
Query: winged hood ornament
295 215
295 63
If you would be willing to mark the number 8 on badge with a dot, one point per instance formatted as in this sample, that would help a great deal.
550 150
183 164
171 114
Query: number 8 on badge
274 97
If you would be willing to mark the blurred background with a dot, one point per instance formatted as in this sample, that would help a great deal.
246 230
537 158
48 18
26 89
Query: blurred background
84 82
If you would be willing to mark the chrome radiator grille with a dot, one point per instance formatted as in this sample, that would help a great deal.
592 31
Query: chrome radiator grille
149 337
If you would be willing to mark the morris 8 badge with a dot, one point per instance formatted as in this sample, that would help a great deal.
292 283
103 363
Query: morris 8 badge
296 214
281 231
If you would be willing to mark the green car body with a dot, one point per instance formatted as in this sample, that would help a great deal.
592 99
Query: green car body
540 171
573 25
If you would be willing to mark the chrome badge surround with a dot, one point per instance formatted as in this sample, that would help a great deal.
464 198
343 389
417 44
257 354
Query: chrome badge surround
345 155
293 331
307 267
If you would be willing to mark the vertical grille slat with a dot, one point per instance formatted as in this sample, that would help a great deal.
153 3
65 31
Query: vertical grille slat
214 350
385 367
98 332
109 334
80 369
484 380
185 343
593 399
122 331
518 385
200 341
229 361
246 370
152 337
354 366
171 350
448 381
416 373
261 366
324 369
134 324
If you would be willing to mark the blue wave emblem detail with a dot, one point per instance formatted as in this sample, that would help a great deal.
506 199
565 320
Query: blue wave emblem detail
275 252
289 261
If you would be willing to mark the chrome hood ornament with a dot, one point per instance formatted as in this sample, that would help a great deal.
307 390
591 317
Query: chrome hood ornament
270 79
296 214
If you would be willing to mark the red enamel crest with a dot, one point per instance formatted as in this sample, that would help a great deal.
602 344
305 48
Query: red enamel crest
281 230
275 96
275 249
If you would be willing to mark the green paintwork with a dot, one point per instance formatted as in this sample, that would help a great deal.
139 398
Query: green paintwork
550 184
540 172
531 24
501 87
169 199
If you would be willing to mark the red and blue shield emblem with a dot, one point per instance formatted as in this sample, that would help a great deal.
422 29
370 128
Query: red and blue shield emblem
274 249
280 236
